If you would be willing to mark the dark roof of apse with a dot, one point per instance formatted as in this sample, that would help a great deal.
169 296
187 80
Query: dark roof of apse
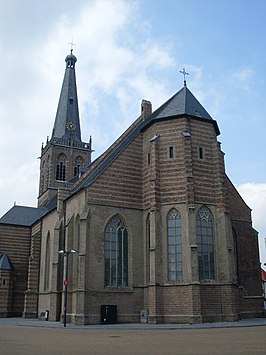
181 104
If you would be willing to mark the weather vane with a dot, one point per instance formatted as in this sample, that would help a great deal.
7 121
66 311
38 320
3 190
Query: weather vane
71 45
184 73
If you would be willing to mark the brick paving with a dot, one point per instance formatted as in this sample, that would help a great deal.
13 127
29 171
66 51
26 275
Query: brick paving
23 336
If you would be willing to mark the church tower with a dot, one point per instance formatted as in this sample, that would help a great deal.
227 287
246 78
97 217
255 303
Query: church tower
64 155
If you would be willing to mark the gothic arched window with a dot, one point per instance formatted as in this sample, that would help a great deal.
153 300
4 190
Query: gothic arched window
61 168
205 241
42 176
116 253
174 246
78 163
47 172
148 247
47 263
61 246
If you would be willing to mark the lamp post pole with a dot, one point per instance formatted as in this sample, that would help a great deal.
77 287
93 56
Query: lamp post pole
66 254
65 290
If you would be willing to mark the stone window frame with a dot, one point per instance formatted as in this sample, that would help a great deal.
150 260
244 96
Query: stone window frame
115 253
174 246
61 167
205 243
46 283
78 163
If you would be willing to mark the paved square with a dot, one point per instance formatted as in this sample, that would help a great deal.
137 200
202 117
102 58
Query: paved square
15 339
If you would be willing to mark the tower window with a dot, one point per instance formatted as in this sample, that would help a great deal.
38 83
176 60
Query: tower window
200 153
78 164
76 170
149 158
61 168
61 171
171 152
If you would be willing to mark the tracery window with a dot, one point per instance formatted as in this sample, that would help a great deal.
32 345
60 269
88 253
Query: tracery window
174 245
60 259
78 163
42 176
47 263
61 168
116 253
47 172
205 241
148 247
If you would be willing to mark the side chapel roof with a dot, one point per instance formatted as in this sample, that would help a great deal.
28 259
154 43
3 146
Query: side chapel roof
22 215
27 216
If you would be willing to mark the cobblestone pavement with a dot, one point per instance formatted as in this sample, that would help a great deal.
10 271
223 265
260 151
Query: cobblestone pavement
24 336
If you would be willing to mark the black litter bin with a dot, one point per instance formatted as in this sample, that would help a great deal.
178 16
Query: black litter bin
108 314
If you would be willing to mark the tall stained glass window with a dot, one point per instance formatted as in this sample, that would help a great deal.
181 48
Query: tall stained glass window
174 244
116 253
205 244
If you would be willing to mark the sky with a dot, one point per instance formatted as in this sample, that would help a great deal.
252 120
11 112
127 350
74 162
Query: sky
127 51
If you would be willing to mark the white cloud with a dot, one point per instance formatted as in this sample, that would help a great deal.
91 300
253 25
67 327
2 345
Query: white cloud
117 63
242 78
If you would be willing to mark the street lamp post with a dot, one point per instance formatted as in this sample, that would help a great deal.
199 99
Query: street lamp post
66 254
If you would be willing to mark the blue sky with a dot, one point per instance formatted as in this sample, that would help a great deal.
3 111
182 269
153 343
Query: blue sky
127 51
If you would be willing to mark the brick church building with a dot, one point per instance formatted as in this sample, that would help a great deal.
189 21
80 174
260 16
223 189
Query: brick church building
153 230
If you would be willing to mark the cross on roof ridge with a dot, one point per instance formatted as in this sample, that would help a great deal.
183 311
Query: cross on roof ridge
184 73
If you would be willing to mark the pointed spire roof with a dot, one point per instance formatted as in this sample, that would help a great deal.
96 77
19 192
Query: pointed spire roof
67 124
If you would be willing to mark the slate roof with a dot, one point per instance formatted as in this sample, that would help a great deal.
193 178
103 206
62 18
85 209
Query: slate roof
27 216
67 110
5 263
22 215
181 104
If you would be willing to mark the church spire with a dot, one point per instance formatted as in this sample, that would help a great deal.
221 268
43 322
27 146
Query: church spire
65 155
67 124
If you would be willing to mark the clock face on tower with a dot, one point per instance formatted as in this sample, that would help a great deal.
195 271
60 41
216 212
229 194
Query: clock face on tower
70 126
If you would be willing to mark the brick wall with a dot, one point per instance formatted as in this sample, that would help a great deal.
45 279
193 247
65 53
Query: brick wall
6 292
219 303
31 296
121 184
15 242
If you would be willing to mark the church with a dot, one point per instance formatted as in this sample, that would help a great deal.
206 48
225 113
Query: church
151 231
